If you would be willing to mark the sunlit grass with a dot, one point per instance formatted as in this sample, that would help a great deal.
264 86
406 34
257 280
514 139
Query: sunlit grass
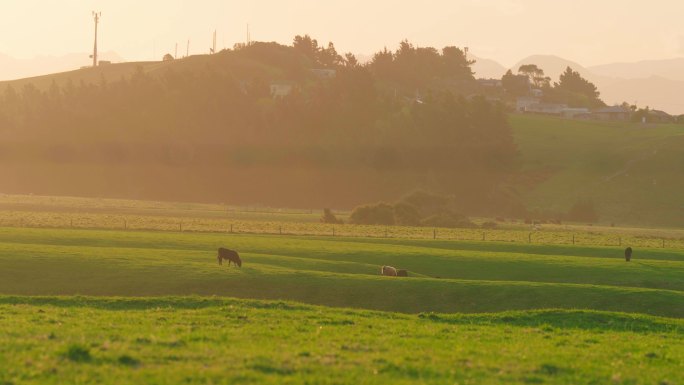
226 341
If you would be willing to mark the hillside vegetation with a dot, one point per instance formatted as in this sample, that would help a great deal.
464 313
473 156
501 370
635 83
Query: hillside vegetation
209 128
631 172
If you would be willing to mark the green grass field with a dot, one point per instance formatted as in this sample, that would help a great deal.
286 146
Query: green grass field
225 341
129 307
631 171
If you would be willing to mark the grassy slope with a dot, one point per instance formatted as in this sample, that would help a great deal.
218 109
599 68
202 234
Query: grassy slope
475 277
236 65
225 341
631 171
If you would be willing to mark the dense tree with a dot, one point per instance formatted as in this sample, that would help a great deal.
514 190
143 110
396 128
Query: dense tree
515 85
535 75
576 91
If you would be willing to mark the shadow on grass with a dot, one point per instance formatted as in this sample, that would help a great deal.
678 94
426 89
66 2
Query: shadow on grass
565 319
547 320
142 303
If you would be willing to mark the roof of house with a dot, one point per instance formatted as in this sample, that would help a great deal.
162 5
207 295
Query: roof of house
613 110
660 113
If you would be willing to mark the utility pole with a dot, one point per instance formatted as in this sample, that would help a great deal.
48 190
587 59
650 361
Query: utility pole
187 49
96 17
175 56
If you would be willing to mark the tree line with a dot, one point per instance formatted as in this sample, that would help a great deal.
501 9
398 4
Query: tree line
399 122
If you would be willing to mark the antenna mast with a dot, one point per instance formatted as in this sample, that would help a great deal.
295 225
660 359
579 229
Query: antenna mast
96 17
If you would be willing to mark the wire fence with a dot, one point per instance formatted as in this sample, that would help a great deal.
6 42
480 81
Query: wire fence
543 236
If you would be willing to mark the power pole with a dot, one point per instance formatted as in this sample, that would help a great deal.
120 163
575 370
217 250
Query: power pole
187 50
96 17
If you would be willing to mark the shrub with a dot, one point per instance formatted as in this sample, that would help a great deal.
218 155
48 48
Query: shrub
428 203
406 215
378 214
329 217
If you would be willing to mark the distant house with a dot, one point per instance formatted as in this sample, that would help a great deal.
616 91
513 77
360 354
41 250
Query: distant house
522 102
576 113
536 92
281 89
490 83
324 73
612 113
657 116
546 108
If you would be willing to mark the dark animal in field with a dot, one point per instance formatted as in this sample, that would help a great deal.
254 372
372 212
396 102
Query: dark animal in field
402 273
628 254
388 271
230 255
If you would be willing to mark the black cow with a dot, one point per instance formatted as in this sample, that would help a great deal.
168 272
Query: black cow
402 273
230 255
628 254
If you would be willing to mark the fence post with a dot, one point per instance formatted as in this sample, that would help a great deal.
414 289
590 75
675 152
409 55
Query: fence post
231 228
333 231
280 230
125 224
386 232
434 233
529 238
573 239
620 241
71 223
484 236
180 227
663 243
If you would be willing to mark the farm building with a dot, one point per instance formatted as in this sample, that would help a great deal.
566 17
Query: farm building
546 108
324 73
523 102
657 116
490 83
576 113
612 113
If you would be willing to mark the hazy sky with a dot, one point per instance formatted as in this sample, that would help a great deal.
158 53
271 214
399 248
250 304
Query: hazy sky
587 31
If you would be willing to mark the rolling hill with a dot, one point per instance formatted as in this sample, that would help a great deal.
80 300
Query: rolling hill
631 171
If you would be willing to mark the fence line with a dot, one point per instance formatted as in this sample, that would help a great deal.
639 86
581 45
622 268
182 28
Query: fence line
209 225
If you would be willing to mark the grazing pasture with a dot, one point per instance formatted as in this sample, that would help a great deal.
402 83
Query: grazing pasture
201 340
343 272
116 307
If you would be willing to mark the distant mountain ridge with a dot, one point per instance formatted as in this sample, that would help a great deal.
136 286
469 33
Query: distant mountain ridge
658 84
672 69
